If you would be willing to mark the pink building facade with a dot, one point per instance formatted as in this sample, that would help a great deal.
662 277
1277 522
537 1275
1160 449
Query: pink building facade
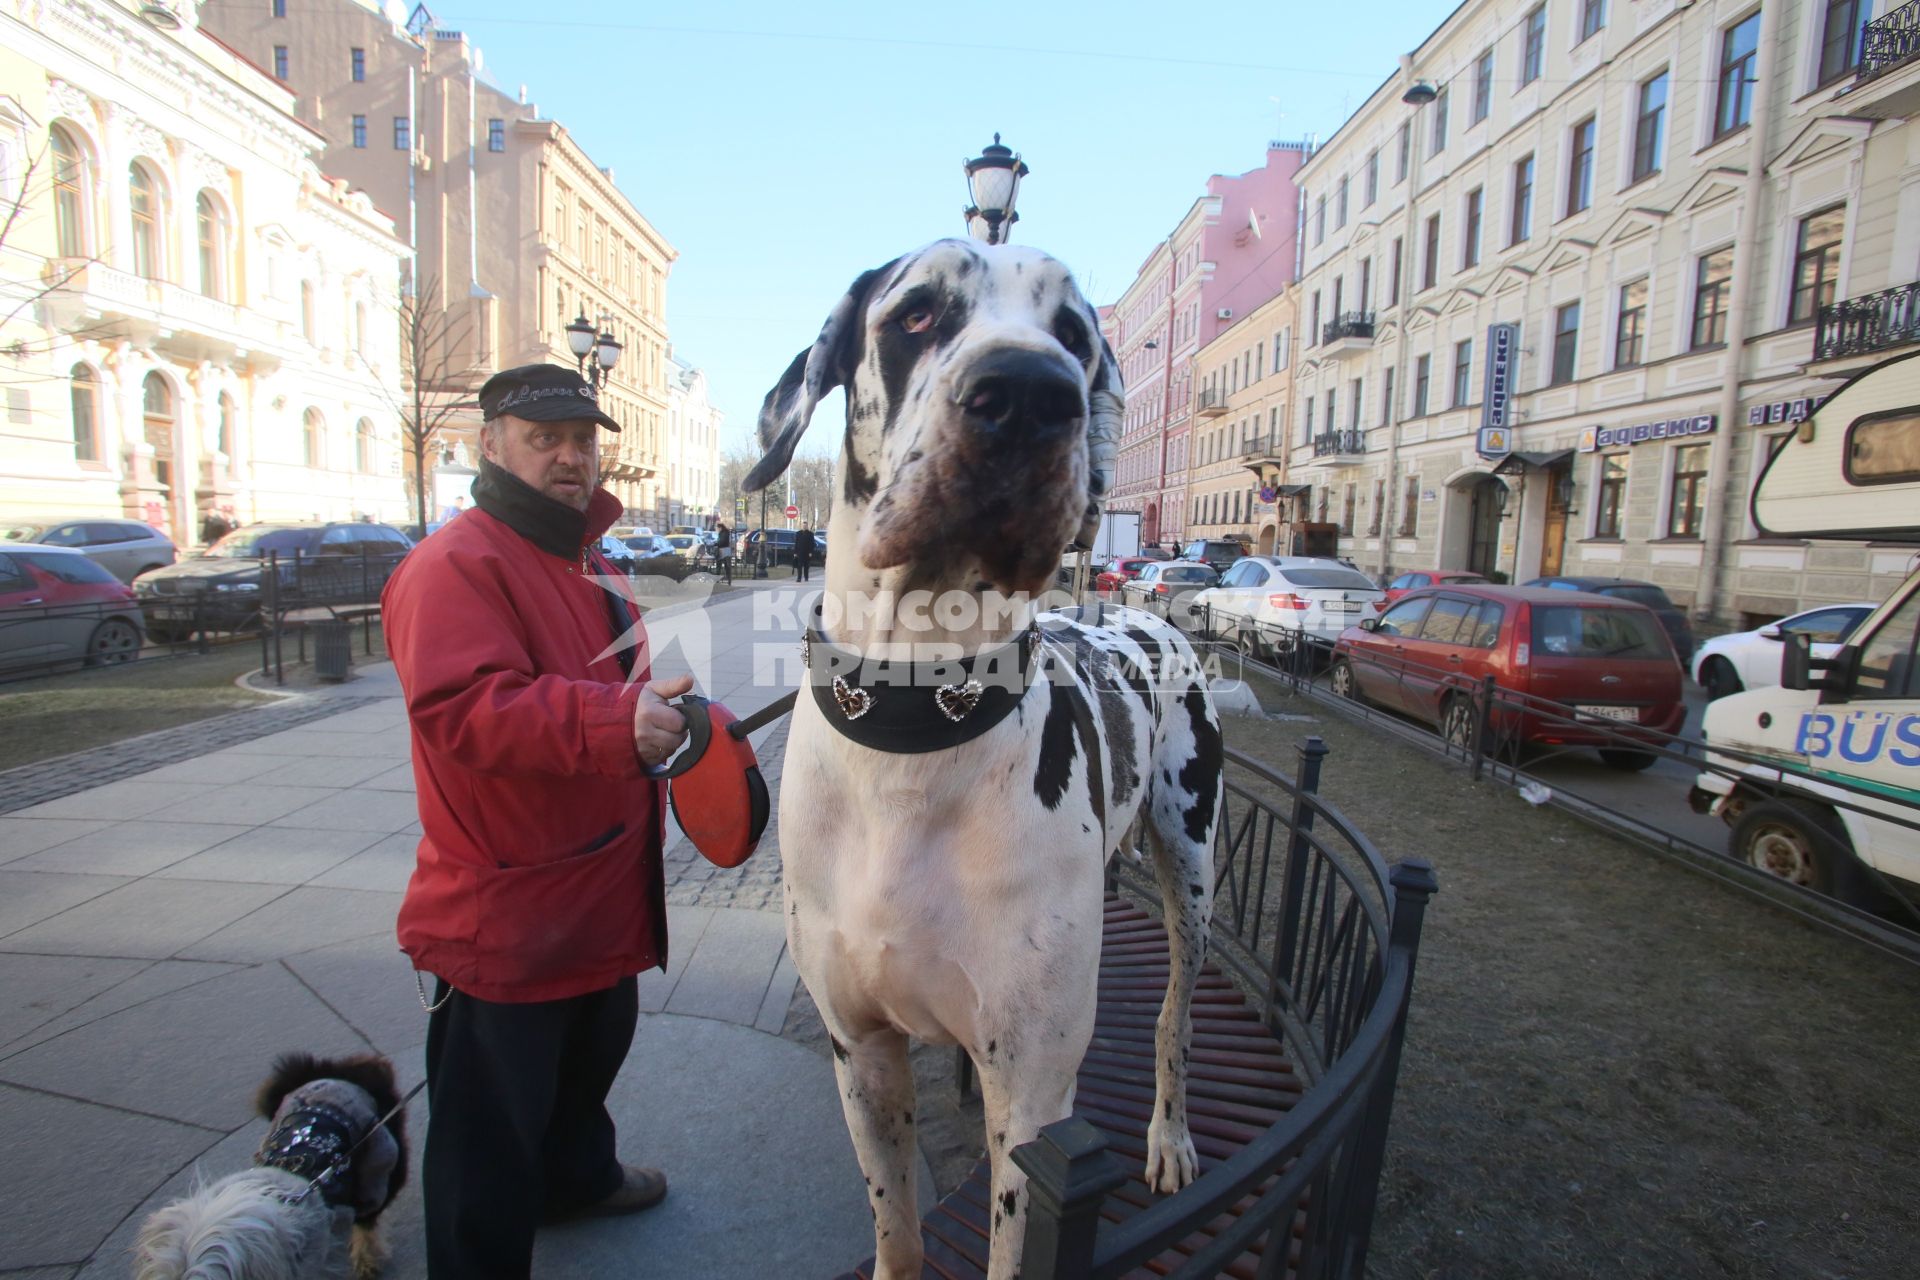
1234 250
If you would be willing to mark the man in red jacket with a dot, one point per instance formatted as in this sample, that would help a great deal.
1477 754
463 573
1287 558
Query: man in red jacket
538 893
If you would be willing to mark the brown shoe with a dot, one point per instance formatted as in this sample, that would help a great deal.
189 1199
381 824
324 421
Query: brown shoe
639 1189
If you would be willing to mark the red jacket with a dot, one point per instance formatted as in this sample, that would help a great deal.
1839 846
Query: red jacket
539 873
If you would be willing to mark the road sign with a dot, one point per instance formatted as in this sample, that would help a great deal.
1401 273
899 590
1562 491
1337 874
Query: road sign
793 512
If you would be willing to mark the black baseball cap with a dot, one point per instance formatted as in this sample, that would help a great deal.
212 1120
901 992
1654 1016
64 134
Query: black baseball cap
542 393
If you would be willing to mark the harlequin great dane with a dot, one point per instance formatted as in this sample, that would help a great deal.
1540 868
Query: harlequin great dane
965 765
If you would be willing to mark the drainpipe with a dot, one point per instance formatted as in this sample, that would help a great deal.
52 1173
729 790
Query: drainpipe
1720 502
1403 359
413 213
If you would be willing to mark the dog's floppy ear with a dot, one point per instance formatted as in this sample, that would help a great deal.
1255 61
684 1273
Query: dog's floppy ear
827 364
1106 410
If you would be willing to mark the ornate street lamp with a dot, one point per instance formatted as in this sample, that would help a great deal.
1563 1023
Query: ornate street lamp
595 352
993 184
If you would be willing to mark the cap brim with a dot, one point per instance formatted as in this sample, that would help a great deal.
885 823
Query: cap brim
563 409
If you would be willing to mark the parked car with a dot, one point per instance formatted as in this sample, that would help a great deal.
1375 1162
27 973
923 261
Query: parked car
652 555
222 590
125 548
1671 616
779 546
1751 659
1216 553
1168 588
685 545
1428 578
58 605
1603 657
1121 570
1264 603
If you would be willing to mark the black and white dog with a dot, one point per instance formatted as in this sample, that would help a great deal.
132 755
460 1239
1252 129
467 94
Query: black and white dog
309 1208
966 764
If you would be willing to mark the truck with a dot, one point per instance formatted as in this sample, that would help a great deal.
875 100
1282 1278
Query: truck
1824 790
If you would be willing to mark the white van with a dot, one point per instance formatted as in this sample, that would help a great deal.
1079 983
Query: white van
1852 472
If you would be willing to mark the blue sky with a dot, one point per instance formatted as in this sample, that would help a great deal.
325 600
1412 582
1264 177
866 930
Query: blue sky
785 148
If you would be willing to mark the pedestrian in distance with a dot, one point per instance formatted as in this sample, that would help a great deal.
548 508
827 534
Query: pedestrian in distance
538 892
723 550
803 545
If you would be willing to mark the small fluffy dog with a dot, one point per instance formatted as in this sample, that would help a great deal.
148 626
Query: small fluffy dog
309 1208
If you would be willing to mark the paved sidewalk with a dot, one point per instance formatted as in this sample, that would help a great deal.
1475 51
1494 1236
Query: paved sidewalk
163 935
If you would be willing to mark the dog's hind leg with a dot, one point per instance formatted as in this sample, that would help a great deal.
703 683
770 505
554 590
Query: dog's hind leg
876 1093
367 1250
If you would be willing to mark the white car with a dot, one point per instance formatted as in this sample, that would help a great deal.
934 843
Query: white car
1751 659
1262 601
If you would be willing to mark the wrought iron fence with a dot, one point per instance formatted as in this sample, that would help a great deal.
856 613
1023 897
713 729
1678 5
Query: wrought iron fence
1889 40
1872 322
300 589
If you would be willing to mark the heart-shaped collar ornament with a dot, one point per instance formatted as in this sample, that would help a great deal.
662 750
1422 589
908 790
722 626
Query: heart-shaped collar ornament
854 703
957 700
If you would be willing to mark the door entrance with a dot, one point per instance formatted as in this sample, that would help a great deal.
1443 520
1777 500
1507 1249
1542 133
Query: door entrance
1483 523
1553 537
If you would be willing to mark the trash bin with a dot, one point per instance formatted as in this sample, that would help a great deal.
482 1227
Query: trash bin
332 648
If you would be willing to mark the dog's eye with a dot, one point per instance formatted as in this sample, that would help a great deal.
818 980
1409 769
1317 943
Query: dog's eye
918 320
1073 336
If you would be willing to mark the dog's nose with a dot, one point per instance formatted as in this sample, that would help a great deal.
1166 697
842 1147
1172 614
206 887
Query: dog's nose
1017 388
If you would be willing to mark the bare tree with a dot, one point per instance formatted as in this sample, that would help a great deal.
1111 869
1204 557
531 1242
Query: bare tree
436 378
28 293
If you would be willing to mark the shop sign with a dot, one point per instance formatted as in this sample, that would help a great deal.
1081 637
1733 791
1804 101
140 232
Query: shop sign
1798 410
1495 442
1592 438
1497 396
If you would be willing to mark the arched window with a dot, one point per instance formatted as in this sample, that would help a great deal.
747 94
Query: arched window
363 445
72 193
313 432
86 414
212 221
306 310
149 217
229 419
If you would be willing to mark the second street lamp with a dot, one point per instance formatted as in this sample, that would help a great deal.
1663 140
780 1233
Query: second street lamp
596 352
993 184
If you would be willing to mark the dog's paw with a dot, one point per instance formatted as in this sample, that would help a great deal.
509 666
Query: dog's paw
1171 1162
368 1251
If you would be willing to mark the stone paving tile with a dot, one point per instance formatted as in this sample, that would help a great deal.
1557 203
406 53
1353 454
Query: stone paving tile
154 1057
72 1168
301 920
307 741
28 897
324 771
130 798
157 978
383 811
130 848
398 778
221 768
150 918
684 927
34 990
272 855
22 836
244 804
370 982
386 867
773 1009
728 974
225 1155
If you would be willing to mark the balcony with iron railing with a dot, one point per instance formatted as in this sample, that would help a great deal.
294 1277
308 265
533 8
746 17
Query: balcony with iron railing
1348 333
1209 402
1886 83
1875 322
1337 449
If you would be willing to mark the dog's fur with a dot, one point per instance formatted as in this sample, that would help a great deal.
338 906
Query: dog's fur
256 1225
955 896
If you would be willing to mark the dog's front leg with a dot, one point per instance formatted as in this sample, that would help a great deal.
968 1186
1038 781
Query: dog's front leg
1185 875
1021 1094
876 1092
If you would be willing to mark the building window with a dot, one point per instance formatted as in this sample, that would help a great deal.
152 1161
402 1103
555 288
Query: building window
1470 238
279 8
363 444
1410 507
1372 189
148 219
359 66
279 62
1580 167
1366 283
1629 331
402 133
1739 50
1320 220
72 193
1816 263
1355 397
86 414
1430 270
360 131
1422 377
1610 493
1340 204
1482 87
1593 16
1713 281
1400 152
313 429
1386 398
1566 342
1439 139
1687 498
1462 372
1313 329
1520 226
1379 508
1533 44
1306 424
1346 512
1393 274
306 310
1333 411
1649 127
496 134
213 246
1846 20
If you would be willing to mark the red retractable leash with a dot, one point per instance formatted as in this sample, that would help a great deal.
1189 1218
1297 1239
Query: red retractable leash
714 784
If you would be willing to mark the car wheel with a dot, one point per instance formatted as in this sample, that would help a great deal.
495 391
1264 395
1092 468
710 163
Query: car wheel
1797 843
1343 682
1627 760
113 642
1249 645
1456 722
1719 679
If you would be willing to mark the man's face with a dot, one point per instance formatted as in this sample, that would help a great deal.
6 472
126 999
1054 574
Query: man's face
560 459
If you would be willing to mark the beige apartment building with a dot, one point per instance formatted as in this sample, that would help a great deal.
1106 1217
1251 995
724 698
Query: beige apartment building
1668 228
1237 485
515 230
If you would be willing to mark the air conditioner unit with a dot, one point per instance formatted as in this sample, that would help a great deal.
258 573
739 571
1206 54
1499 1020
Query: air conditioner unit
1225 313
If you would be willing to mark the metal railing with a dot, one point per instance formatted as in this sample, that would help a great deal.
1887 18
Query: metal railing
1890 40
1352 324
1209 401
1323 936
1872 322
1336 444
300 589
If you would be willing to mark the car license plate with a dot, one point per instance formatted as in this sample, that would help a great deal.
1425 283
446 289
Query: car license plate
1340 606
1630 714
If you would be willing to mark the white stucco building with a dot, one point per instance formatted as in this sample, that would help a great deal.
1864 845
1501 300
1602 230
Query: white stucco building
691 493
209 321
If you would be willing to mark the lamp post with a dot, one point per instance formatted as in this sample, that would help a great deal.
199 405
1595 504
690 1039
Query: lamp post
993 184
594 351
1418 94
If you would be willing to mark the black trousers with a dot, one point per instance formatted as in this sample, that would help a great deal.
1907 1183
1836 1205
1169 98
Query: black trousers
802 567
518 1128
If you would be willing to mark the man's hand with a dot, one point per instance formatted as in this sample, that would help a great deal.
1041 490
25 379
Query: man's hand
658 729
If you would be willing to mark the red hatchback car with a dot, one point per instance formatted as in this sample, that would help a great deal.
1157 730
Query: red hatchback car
1121 571
1601 658
1419 578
